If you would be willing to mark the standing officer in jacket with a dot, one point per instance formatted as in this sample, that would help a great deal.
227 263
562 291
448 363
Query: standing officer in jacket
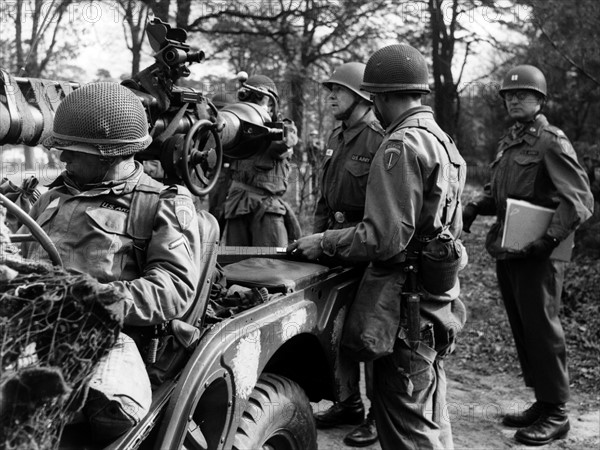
413 195
535 162
350 150
110 220
255 212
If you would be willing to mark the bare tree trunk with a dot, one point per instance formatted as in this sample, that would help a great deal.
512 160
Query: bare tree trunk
182 17
297 79
443 40
160 8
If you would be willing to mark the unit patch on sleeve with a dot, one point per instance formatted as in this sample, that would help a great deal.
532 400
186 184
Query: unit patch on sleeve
566 147
391 154
184 210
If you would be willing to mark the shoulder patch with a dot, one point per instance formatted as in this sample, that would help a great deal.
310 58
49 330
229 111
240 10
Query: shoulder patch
566 147
392 153
184 210
563 141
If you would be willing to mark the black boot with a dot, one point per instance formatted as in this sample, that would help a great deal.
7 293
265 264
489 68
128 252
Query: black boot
524 418
553 424
364 434
349 412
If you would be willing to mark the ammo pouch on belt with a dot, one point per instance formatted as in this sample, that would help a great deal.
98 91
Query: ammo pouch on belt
439 263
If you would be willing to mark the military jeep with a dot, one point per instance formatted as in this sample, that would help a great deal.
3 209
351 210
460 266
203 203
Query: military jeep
247 381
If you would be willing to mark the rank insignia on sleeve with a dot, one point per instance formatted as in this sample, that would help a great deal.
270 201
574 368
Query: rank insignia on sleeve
184 210
391 154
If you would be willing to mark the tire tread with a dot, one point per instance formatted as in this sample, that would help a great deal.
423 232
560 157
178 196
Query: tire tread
268 389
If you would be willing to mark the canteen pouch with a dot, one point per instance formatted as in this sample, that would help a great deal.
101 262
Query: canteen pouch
440 261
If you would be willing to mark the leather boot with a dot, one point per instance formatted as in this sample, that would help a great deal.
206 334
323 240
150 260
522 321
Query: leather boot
553 424
349 412
524 418
364 434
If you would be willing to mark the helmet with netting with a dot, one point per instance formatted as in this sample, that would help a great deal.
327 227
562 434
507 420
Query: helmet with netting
262 83
100 118
524 77
349 75
396 68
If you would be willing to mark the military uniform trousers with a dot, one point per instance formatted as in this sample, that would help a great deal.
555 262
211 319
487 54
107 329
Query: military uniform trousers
349 365
532 309
409 399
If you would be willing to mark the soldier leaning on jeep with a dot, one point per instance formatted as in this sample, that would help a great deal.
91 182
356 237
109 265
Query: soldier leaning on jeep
408 204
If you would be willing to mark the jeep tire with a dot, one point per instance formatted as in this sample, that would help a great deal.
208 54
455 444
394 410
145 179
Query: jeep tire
278 417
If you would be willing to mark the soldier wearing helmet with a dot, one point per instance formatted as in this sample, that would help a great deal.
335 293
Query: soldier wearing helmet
255 212
348 156
112 221
534 162
413 198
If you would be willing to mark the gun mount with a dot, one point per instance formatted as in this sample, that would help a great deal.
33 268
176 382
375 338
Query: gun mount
189 134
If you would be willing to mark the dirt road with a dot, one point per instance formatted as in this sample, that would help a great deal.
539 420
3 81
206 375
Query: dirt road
476 404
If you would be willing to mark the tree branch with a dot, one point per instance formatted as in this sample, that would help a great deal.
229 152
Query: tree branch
464 63
565 56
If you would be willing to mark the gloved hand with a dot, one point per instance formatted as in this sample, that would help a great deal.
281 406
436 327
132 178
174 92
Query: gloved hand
469 214
541 248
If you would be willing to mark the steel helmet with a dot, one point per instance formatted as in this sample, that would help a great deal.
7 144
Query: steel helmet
104 118
263 83
396 68
349 75
524 77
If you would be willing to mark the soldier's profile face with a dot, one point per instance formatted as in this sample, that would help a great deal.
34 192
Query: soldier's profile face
82 167
340 99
